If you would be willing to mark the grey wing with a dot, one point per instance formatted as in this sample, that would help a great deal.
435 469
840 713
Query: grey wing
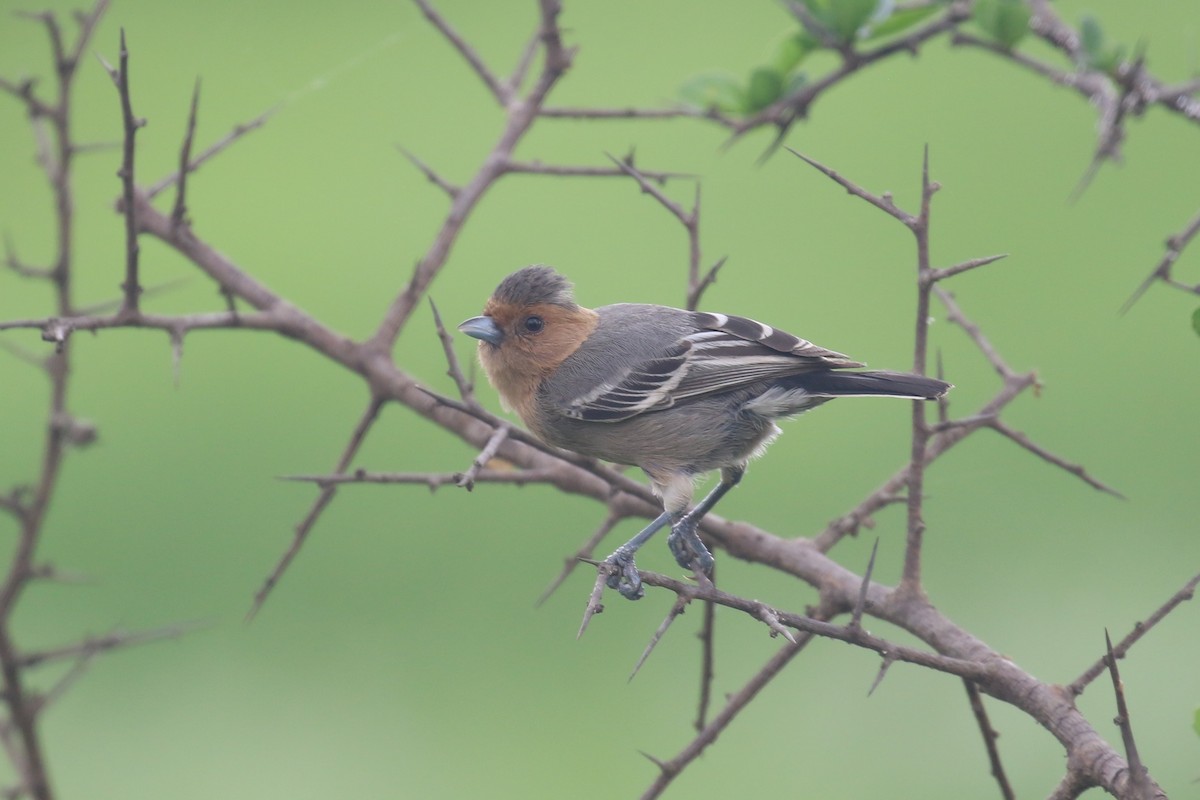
721 354
729 352
640 387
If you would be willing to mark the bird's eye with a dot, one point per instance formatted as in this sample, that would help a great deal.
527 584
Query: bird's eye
534 324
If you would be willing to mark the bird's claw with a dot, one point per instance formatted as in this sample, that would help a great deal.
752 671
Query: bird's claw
625 578
689 551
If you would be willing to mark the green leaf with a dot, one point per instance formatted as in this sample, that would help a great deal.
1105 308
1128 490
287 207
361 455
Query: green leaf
842 18
901 21
1094 53
792 50
713 90
764 88
1091 36
1006 21
1196 328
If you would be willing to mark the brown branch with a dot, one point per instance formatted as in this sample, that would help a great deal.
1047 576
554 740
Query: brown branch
697 284
499 91
1075 469
437 180
707 637
785 111
59 329
563 171
594 604
467 480
209 152
466 389
635 113
1138 778
130 124
583 553
1175 246
520 115
676 609
431 480
860 604
737 702
989 739
955 315
513 85
13 262
964 266
915 528
51 122
777 620
179 211
1140 629
323 499
883 202
91 646
687 219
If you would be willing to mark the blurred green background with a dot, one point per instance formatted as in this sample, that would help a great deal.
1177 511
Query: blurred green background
401 656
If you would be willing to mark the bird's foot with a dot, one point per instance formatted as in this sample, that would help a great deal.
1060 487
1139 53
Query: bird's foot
689 551
625 578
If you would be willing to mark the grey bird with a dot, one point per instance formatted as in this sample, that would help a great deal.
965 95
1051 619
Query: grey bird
677 393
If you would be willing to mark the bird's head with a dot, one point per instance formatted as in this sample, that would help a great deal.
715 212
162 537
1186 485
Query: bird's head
529 326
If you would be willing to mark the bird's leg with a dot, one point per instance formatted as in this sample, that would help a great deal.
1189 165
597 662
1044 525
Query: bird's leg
685 544
627 581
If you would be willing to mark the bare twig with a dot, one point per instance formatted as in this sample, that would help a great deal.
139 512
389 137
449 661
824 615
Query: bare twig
500 92
520 115
625 165
564 171
91 646
881 673
676 609
955 315
697 284
1075 469
594 606
883 201
210 152
964 266
989 739
51 122
861 603
324 497
1163 271
707 636
636 113
433 177
737 702
776 620
1138 778
467 480
179 211
1140 629
466 390
584 552
131 124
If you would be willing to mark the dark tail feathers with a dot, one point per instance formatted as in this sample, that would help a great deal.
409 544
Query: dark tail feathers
885 384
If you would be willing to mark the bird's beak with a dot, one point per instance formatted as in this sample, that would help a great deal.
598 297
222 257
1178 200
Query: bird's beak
483 328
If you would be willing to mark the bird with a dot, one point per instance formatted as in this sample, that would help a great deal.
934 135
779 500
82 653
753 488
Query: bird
677 393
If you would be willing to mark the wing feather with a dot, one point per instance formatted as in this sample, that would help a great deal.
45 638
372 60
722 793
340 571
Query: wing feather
723 353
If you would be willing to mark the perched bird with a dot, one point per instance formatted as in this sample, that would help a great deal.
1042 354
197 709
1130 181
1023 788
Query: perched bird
677 393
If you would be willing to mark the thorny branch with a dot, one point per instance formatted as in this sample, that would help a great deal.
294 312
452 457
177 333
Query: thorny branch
28 507
841 590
